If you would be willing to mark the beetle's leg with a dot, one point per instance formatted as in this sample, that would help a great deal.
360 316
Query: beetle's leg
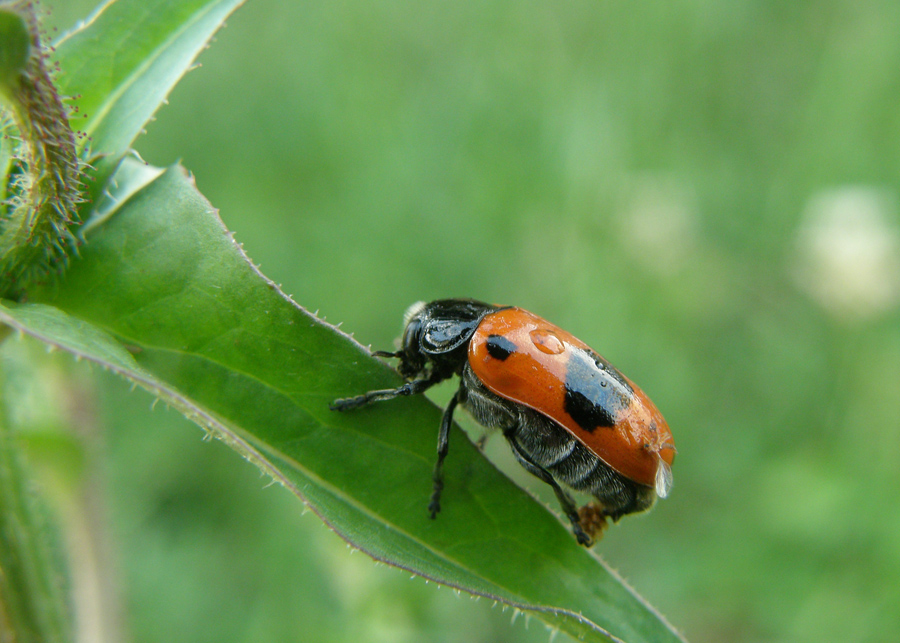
443 447
410 388
592 519
568 506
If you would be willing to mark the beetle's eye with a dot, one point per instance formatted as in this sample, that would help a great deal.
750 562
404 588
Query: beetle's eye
411 333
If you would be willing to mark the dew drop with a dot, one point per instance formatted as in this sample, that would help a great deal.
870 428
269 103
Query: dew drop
546 341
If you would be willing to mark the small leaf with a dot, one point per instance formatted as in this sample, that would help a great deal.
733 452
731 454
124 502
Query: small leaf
15 51
209 334
122 63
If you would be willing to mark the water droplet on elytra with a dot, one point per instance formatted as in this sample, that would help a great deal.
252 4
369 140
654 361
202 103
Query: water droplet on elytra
546 341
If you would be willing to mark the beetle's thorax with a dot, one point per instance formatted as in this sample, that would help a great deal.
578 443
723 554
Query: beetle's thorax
437 335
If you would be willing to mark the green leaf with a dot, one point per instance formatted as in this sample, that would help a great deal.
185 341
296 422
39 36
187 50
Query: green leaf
15 51
163 296
122 63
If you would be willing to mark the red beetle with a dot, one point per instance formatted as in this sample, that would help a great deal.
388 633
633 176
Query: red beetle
569 416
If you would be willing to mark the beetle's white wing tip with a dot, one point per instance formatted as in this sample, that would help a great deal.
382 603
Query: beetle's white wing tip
663 479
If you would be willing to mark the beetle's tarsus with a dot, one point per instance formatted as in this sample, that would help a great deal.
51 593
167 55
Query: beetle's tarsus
434 507
349 403
580 536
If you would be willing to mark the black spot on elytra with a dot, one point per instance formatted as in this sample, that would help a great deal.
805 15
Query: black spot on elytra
589 415
595 391
499 347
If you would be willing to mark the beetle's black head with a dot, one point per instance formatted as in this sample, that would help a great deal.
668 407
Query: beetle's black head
439 332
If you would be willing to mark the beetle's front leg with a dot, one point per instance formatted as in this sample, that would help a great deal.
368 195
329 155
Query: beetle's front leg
410 388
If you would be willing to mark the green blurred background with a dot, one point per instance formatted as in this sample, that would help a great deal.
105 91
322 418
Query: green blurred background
706 192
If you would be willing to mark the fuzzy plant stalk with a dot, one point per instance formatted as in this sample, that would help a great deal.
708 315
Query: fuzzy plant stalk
39 164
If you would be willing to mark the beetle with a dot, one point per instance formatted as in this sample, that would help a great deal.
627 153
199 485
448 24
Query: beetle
569 416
